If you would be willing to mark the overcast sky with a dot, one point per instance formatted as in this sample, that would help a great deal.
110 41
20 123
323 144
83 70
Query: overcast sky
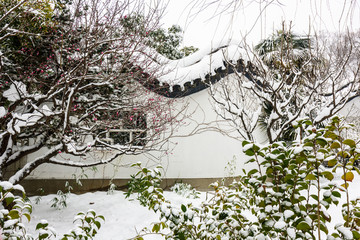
256 19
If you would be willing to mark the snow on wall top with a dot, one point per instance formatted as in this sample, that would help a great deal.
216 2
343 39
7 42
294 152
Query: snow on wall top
201 63
188 75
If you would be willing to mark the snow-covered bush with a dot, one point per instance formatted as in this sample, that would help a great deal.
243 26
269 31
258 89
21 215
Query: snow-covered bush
185 190
166 41
15 212
88 224
59 201
14 209
145 184
286 197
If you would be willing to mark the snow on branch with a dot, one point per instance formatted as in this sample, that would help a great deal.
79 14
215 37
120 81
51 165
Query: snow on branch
284 84
26 170
73 89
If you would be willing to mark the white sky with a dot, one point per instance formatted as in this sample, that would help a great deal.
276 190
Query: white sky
203 25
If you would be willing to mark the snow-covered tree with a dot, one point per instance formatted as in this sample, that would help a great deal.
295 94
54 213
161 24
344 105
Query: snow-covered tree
69 74
288 77
166 41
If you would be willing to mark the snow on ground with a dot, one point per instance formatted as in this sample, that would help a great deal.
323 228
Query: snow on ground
123 218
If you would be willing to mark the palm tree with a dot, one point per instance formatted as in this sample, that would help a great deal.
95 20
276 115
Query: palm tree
284 54
284 50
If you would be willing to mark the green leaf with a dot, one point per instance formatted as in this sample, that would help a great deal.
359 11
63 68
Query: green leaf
351 143
300 159
181 236
307 122
244 143
301 198
322 142
269 170
313 216
92 212
315 197
250 161
303 226
98 224
328 175
335 119
331 135
9 200
322 150
310 176
293 166
336 194
250 152
324 228
289 177
335 235
256 147
43 235
253 171
14 214
262 204
41 225
27 215
183 208
356 234
332 162
343 154
335 145
163 225
156 228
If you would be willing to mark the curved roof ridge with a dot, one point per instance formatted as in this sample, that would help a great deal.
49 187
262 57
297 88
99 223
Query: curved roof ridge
193 74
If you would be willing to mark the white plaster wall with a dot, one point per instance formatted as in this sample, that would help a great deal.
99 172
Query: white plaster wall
206 154
351 109
351 113
202 155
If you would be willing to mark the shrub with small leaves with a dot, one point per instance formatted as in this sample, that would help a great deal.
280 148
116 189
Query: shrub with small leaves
15 208
45 231
59 201
112 188
286 197
185 190
146 185
88 225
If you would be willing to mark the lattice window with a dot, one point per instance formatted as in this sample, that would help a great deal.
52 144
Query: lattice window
125 128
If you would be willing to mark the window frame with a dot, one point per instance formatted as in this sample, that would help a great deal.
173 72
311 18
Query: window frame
135 137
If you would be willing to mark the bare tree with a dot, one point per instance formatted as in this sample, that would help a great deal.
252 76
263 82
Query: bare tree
288 77
69 84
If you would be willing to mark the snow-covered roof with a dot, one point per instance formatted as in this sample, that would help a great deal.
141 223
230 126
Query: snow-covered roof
194 73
